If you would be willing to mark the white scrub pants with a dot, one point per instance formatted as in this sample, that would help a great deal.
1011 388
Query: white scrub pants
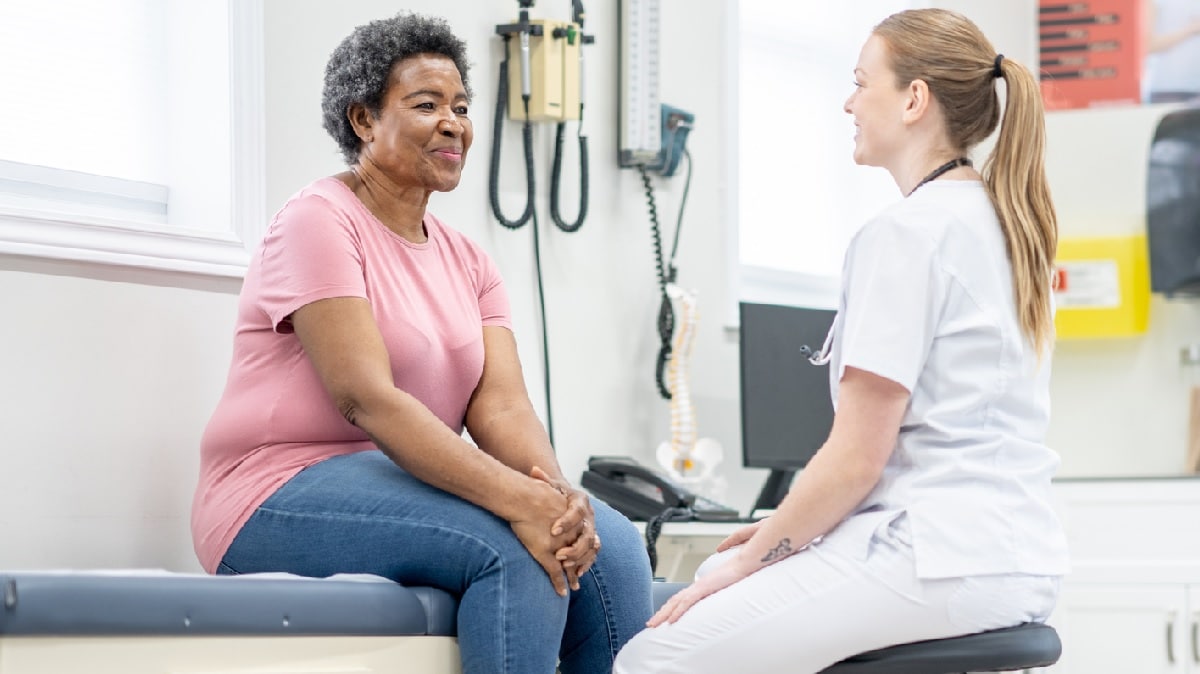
825 604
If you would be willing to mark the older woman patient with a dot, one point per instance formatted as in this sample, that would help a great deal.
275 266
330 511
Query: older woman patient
369 335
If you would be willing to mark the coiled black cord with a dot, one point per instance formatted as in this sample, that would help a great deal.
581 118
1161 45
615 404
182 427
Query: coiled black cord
664 276
654 528
666 314
527 138
556 175
666 273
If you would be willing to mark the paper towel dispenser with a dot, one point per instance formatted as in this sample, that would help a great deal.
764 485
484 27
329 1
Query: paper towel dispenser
1173 204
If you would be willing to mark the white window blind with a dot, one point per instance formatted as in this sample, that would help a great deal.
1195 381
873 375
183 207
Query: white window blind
801 197
84 86
131 132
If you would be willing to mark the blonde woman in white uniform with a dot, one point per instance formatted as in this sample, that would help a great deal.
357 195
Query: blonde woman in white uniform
926 513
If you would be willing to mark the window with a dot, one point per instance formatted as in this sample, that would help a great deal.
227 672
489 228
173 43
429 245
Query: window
65 103
800 196
130 132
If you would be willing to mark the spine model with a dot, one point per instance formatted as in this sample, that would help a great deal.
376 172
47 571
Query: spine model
685 456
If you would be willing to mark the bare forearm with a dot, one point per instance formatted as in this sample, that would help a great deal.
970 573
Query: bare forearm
425 447
841 474
516 438
500 417
823 494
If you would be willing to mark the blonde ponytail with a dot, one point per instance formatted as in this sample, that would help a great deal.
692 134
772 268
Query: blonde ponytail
1015 175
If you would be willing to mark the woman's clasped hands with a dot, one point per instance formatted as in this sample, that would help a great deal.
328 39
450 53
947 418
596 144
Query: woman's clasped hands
559 531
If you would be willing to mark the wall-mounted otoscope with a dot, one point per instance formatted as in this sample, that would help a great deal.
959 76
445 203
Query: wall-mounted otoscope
550 79
522 29
569 32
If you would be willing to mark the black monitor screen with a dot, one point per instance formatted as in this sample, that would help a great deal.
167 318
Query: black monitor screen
786 409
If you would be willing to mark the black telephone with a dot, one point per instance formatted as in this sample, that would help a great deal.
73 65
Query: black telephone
640 493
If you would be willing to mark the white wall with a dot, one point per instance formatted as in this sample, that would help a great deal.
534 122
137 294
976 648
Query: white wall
106 380
1120 405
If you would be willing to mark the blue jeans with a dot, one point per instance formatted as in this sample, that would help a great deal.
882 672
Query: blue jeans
360 513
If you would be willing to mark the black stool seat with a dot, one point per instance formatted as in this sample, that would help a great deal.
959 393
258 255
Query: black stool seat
1004 650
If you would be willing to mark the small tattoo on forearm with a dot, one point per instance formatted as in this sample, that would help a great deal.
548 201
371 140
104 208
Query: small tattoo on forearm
779 551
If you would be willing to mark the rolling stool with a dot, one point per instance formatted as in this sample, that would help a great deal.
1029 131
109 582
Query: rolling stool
1004 650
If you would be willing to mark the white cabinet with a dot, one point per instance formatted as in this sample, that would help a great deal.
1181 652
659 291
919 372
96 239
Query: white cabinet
1132 602
1134 628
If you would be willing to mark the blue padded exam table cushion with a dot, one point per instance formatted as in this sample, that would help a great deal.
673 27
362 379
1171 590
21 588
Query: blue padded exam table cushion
162 603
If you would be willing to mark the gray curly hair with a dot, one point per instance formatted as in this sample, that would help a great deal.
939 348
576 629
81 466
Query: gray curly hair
358 69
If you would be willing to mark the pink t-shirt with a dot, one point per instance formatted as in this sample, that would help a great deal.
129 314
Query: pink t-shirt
430 301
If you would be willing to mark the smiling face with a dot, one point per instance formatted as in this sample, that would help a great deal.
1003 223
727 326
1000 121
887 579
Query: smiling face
877 105
422 133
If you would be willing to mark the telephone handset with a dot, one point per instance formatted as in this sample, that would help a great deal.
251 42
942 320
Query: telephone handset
640 493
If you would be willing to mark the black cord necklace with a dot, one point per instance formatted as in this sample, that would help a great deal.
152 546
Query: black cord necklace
937 172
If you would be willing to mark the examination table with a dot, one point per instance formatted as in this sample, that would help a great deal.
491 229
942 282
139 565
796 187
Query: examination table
171 623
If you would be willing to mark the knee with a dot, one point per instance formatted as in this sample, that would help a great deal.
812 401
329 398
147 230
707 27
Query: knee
491 553
618 537
506 581
517 569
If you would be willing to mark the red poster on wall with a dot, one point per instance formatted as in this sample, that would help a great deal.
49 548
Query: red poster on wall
1090 52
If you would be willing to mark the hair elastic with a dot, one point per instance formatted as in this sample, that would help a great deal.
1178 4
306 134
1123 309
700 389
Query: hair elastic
996 72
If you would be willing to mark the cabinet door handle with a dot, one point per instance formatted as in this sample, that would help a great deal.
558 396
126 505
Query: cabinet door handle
1171 638
1196 638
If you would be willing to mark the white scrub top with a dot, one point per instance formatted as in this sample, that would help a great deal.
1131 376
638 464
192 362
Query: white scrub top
927 301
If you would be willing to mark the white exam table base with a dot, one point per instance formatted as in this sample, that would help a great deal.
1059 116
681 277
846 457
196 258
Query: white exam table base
229 655
100 623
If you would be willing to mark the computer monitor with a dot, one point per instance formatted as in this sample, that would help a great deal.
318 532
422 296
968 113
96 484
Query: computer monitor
786 408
